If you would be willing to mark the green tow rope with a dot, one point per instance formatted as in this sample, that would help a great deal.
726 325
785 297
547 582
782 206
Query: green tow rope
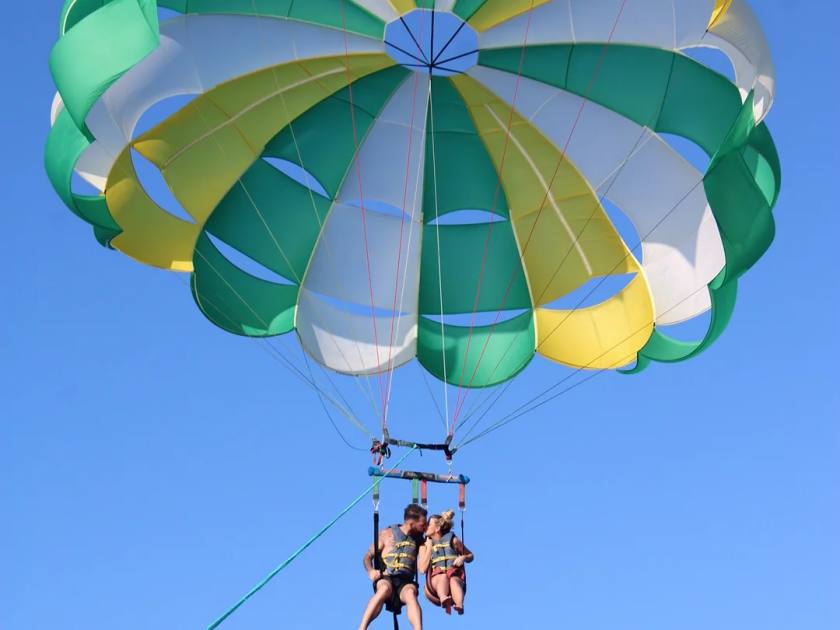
300 550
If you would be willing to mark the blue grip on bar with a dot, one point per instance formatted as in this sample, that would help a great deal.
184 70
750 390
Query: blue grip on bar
393 473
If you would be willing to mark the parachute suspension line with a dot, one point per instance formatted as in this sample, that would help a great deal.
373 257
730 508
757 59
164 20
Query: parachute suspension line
330 380
524 248
533 405
298 279
612 179
583 299
268 229
367 392
254 205
620 262
465 439
439 267
508 133
411 231
395 317
327 247
327 411
346 411
515 415
373 487
484 401
353 416
277 354
433 398
480 417
362 209
399 313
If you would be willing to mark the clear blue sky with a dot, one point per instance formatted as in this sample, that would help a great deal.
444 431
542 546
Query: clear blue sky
153 468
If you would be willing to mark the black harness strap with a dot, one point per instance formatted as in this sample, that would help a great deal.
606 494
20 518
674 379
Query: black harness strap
447 451
377 557
387 440
417 581
462 506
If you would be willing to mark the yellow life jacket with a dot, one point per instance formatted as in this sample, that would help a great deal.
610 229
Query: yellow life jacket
402 559
443 552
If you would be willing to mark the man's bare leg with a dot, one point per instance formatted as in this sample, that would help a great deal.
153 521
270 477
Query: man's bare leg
408 596
383 593
457 588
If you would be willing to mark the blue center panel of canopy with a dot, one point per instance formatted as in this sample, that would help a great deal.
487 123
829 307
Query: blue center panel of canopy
437 42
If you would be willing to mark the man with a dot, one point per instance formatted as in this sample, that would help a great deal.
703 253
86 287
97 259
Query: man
396 585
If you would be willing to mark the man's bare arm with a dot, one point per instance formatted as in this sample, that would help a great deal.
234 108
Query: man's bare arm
372 572
367 560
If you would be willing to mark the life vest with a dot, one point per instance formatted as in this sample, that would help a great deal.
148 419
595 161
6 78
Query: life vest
402 559
442 560
443 553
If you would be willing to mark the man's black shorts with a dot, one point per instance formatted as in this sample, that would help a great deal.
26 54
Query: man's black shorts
398 583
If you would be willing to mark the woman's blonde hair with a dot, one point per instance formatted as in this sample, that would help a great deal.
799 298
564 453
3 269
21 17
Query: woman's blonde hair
446 520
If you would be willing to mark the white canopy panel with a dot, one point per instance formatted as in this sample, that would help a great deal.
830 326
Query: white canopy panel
740 36
367 258
382 9
391 158
339 266
190 60
346 342
663 23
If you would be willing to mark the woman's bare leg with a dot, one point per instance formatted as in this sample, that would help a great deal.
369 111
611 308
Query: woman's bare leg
440 583
383 593
457 587
408 596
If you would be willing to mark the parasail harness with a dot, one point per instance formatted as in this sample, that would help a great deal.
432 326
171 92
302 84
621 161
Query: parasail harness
381 451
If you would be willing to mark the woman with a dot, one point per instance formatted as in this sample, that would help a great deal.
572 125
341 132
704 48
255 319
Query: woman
442 559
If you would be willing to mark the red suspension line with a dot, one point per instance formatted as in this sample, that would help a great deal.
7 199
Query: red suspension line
560 162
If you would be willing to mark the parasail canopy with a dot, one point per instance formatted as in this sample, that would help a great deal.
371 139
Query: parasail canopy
427 179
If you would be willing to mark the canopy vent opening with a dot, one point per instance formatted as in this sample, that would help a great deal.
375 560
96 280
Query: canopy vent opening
436 42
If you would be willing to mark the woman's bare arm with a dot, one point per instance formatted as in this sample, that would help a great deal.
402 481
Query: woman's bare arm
463 553
424 556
